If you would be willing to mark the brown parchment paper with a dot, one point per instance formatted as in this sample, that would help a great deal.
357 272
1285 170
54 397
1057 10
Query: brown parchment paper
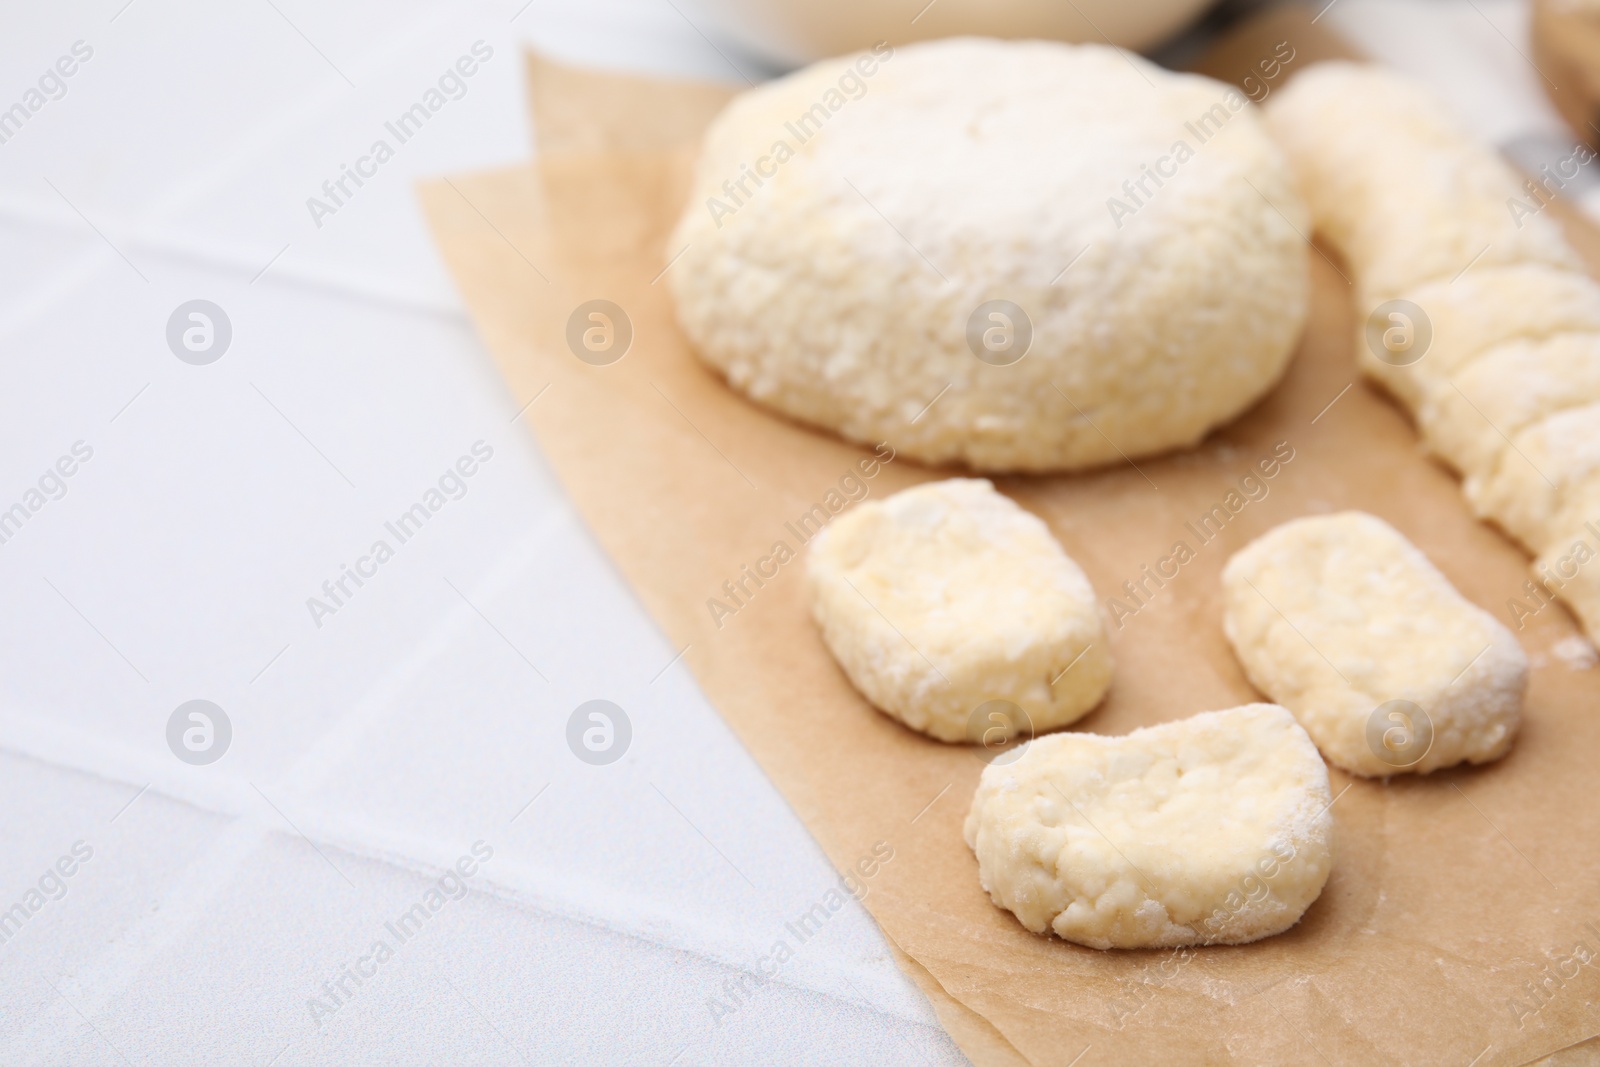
1447 931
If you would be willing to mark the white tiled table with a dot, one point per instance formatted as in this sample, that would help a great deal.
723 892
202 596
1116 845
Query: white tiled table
371 751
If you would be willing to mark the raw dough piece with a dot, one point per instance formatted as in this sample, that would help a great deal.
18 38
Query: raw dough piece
1337 616
1546 482
1210 830
1505 390
1424 215
947 596
1481 309
1570 568
1400 189
847 283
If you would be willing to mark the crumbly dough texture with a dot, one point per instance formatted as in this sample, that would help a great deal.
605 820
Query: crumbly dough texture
839 292
941 598
1406 195
1546 484
1335 616
1483 308
1508 391
1211 830
1505 390
1572 565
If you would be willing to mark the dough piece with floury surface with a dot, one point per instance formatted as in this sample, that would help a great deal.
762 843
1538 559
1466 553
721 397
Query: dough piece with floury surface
945 597
1507 389
1016 255
1468 315
1474 311
1346 623
1213 829
1393 181
1546 479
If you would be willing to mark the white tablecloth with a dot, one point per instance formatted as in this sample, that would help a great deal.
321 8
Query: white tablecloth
231 913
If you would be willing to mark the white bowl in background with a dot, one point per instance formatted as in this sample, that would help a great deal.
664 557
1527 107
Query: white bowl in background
795 32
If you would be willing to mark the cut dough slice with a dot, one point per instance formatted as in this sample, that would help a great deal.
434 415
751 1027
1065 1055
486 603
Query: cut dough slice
1211 830
1417 208
1347 624
1398 187
1469 422
1549 471
1570 568
1481 309
944 597
1569 565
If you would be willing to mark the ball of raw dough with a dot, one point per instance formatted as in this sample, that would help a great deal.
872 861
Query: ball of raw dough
1210 830
1389 669
1025 256
943 598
